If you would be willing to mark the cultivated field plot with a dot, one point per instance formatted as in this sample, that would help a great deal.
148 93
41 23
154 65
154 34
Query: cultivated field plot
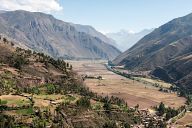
14 100
153 81
131 91
186 120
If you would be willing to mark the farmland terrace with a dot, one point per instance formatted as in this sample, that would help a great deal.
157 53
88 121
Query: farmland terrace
133 92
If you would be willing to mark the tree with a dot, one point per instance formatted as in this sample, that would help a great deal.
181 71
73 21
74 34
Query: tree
18 61
67 65
71 67
161 109
126 125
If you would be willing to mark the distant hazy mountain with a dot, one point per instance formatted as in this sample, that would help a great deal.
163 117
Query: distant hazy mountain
44 33
126 39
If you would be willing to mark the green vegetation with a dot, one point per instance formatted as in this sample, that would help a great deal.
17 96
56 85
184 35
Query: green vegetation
28 111
161 109
168 112
3 102
84 102
50 88
107 106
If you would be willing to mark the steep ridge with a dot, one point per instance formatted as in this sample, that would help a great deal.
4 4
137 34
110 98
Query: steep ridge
44 33
179 69
160 46
93 32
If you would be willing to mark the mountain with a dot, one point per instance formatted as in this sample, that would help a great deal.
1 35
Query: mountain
91 31
43 33
165 43
126 39
178 69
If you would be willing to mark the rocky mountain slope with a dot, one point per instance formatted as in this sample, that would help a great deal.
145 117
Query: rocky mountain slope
125 39
93 32
167 52
179 69
157 48
44 33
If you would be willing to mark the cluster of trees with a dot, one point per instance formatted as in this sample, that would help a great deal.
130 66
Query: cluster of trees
189 99
41 57
18 61
169 112
160 124
7 83
5 40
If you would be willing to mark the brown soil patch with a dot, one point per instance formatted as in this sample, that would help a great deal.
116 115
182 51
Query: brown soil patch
187 119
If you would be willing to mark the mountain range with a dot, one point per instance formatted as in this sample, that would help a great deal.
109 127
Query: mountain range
44 33
125 39
166 52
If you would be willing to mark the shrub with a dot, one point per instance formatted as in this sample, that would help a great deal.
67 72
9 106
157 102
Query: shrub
50 88
84 102
107 106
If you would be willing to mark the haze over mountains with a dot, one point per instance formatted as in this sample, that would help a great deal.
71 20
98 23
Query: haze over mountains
44 33
168 47
126 39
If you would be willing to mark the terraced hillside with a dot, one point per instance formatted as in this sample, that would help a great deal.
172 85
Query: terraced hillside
37 91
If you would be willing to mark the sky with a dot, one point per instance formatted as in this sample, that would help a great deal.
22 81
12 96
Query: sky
107 15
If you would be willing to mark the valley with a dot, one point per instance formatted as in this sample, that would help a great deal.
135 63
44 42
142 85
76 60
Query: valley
132 91
83 74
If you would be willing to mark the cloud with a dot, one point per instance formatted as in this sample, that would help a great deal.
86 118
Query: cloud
46 6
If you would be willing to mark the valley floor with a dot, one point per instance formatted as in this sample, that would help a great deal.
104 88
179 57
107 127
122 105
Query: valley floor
131 91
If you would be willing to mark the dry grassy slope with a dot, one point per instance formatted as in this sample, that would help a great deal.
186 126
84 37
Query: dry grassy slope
30 71
158 47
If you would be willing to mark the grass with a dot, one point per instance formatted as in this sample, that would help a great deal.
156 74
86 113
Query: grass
55 97
97 106
48 97
153 81
70 98
13 100
18 102
3 102
28 111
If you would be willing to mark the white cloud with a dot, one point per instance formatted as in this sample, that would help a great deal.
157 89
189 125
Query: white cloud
46 6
